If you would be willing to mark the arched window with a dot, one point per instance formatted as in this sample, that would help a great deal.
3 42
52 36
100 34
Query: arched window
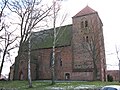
67 76
86 38
21 62
86 23
83 39
59 58
60 62
21 75
82 24
51 58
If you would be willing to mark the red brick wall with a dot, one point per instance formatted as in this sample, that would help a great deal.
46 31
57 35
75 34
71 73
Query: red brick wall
66 58
84 76
42 59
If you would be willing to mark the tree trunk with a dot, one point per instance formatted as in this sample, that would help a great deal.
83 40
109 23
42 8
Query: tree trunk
29 69
54 39
2 64
3 58
94 71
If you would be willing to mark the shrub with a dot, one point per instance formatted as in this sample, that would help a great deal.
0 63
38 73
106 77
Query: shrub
109 78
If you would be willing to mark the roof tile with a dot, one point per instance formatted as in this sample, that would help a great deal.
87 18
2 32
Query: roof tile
85 11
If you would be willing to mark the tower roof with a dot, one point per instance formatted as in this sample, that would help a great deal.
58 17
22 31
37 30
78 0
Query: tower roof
85 11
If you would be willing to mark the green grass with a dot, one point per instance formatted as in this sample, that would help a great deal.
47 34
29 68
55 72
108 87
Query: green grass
39 85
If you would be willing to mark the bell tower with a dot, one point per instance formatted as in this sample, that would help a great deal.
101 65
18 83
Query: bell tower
88 44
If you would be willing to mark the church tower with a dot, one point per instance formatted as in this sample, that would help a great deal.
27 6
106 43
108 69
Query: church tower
88 45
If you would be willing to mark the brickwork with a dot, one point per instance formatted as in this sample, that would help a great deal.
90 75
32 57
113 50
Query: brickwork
84 76
40 64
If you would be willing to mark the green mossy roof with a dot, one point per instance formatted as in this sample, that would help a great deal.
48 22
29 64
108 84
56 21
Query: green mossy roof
44 39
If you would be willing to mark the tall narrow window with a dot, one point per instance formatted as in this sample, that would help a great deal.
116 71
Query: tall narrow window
60 62
51 58
59 58
82 24
86 38
83 39
86 23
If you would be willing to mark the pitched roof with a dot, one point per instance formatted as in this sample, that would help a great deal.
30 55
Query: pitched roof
85 11
44 39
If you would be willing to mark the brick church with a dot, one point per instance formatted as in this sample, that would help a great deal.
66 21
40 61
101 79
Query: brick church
79 52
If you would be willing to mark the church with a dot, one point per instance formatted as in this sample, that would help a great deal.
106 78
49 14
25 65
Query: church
79 51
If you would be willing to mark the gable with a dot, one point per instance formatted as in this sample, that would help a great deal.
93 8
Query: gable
85 11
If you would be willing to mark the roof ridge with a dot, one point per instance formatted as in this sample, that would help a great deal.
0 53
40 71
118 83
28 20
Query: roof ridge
52 28
85 11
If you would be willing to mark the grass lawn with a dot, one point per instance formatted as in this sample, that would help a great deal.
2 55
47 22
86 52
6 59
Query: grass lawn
46 85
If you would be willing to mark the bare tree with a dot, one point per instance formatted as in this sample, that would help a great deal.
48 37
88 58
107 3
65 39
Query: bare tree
30 13
93 44
7 42
7 45
56 9
3 5
6 39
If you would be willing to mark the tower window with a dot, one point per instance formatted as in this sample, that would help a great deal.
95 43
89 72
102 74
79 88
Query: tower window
82 24
86 23
86 38
60 62
83 39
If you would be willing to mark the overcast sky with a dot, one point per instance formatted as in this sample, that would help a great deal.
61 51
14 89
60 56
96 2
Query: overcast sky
109 13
